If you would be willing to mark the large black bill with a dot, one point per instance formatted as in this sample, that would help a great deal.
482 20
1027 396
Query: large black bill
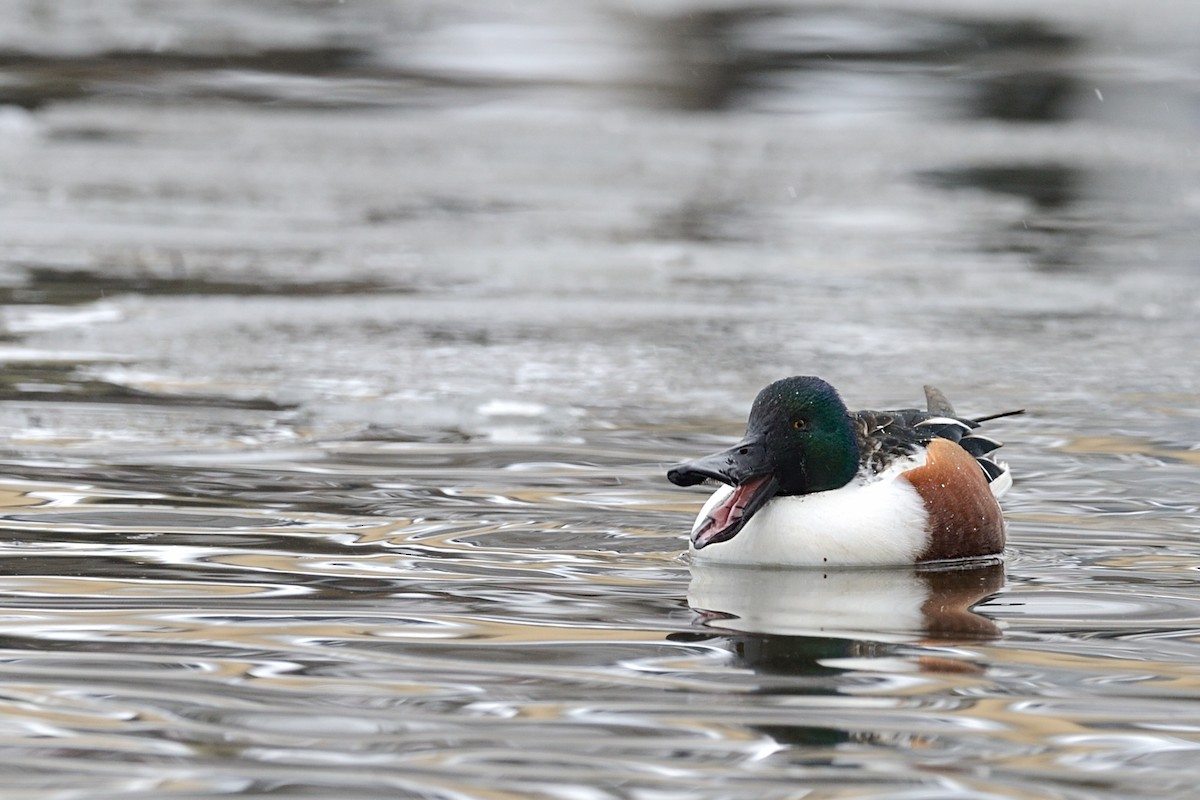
746 459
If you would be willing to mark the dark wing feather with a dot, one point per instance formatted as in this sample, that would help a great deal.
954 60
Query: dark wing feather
990 468
884 436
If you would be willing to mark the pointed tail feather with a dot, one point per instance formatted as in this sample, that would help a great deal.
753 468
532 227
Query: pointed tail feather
978 445
937 403
978 420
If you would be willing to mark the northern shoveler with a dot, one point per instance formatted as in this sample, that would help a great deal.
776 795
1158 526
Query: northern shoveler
813 484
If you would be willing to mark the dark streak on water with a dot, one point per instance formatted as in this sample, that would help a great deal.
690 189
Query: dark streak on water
344 347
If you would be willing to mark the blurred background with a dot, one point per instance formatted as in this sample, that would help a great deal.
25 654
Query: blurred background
521 219
343 346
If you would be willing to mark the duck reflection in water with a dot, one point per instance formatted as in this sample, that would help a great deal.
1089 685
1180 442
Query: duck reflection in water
906 604
803 631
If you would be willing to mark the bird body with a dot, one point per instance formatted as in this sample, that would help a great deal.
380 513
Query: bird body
813 484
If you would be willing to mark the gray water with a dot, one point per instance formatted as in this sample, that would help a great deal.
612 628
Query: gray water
344 347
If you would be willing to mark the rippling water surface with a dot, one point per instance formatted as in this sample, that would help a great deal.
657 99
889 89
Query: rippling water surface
345 346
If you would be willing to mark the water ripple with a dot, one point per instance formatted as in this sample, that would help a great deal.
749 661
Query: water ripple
404 612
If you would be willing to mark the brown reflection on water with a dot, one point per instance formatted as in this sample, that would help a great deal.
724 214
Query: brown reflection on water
18 495
81 588
1128 445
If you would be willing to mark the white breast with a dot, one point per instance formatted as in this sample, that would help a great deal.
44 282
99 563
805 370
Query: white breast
879 523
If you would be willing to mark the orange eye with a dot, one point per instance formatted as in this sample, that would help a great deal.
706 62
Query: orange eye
800 424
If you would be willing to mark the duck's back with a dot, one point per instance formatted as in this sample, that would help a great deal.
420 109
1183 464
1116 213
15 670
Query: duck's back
884 437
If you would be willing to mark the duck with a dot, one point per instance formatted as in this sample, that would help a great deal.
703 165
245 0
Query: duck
812 484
